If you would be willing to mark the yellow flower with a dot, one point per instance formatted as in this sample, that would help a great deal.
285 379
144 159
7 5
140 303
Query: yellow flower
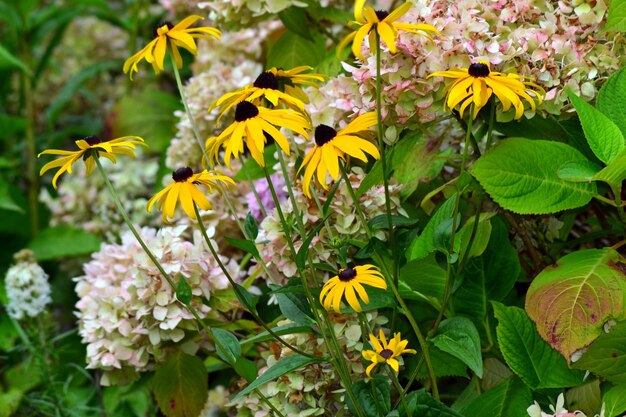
385 352
274 85
178 36
254 125
477 83
185 189
350 282
381 22
331 145
89 148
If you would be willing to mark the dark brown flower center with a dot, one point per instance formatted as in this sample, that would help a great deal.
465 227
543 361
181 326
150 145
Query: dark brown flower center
386 353
478 70
92 140
266 80
324 134
347 274
182 174
245 110
155 30
381 14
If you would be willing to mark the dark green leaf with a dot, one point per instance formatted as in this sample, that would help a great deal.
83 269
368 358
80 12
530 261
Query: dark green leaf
247 246
295 307
246 368
381 222
291 328
245 298
425 242
295 20
183 291
421 404
62 241
606 356
8 60
282 367
291 51
458 336
375 245
373 396
251 227
227 345
180 385
6 201
508 399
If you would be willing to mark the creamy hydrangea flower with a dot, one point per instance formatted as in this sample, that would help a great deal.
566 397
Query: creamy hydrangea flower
128 315
27 287
557 411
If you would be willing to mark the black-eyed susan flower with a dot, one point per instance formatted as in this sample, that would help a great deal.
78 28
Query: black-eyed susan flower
330 146
290 81
180 35
253 126
185 189
385 352
384 23
89 148
477 83
349 282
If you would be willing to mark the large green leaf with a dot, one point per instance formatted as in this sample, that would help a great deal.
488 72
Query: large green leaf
604 137
421 404
614 173
294 18
149 114
425 242
607 355
227 345
611 100
571 300
8 60
508 399
522 176
180 385
61 241
616 20
615 401
458 336
585 397
422 279
530 357
292 50
284 366
295 307
373 396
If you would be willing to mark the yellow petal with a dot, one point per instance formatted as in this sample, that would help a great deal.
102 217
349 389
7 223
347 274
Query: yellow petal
388 35
359 37
171 200
351 298
398 12
159 52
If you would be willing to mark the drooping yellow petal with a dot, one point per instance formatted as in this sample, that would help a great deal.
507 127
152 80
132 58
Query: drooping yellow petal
186 201
398 12
388 35
359 37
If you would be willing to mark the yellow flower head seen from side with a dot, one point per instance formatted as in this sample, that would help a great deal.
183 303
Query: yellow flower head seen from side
330 146
180 35
385 352
89 148
350 282
476 84
384 24
254 126
185 189
291 81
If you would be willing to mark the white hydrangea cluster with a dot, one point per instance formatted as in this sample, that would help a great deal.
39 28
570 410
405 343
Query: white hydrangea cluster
84 201
531 38
27 287
315 389
128 315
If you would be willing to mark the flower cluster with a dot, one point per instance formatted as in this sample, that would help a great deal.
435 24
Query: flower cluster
546 48
27 287
557 411
83 201
128 314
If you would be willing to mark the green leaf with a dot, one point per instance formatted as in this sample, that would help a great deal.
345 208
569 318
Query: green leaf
246 368
443 363
282 367
508 399
245 298
63 241
607 355
571 300
381 221
611 100
480 240
251 227
10 402
295 307
8 60
614 173
180 385
291 328
458 336
291 51
616 20
421 404
579 171
585 398
156 126
247 246
614 401
604 137
522 176
227 345
373 396
425 242
183 291
424 279
251 170
6 201
295 20
530 357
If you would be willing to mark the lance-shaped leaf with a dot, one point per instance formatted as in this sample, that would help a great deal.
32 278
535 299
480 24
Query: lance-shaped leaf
571 300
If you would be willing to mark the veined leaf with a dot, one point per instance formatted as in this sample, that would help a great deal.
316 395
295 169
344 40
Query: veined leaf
611 100
615 401
61 241
508 399
606 356
458 336
616 20
614 173
425 242
227 345
522 176
570 301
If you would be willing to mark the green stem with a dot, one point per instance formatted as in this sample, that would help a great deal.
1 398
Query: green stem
357 204
31 155
269 404
236 288
254 191
292 197
396 383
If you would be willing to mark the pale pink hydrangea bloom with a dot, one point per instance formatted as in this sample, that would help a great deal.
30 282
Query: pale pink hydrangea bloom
128 315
